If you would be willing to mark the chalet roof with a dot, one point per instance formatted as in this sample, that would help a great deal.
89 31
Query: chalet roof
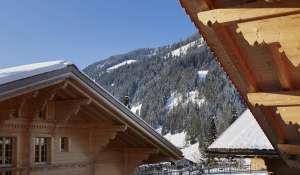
26 78
243 136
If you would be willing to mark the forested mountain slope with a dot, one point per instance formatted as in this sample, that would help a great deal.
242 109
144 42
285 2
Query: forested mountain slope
178 87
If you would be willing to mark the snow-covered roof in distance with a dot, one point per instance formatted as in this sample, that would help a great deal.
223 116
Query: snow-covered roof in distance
190 152
20 72
177 139
243 134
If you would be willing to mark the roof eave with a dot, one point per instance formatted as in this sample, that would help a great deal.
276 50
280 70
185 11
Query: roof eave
226 152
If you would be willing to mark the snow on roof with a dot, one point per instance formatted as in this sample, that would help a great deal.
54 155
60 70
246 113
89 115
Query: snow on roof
244 133
177 139
190 152
24 71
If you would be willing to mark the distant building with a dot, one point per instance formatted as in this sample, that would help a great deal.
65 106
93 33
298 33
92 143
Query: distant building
55 120
244 139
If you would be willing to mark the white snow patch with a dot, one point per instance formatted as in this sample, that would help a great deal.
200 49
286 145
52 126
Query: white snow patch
127 62
136 109
159 130
183 49
99 66
24 71
201 74
176 98
190 152
177 139
193 97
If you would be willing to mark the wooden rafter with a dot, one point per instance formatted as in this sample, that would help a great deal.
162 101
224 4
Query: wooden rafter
65 109
283 72
289 114
100 137
238 56
287 34
248 12
283 98
290 149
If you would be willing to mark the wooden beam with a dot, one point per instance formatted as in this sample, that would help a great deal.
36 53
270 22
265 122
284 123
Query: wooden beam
109 128
289 114
283 30
285 98
136 156
99 138
64 109
237 55
278 126
290 149
282 70
249 12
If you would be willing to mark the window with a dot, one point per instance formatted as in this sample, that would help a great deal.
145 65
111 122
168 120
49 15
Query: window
6 148
64 144
41 150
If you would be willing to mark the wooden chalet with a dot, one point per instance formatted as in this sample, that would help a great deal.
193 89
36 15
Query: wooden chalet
257 42
55 120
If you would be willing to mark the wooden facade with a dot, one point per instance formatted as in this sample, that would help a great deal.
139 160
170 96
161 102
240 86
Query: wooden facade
61 122
257 42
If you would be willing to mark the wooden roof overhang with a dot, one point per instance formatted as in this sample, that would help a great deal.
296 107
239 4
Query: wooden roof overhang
257 42
70 88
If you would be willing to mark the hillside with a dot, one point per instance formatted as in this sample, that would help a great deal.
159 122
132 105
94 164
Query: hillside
178 88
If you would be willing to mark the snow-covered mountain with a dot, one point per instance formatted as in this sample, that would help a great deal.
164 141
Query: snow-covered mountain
179 88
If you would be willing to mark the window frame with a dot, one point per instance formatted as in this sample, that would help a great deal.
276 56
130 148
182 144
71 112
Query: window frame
5 154
66 144
41 149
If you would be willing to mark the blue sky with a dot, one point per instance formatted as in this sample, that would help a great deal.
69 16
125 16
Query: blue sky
85 31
